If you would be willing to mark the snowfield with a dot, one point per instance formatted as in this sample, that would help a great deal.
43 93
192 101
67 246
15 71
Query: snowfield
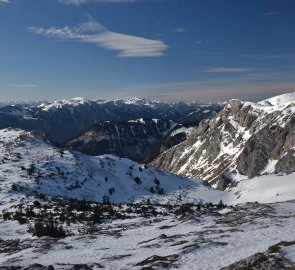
195 241
265 189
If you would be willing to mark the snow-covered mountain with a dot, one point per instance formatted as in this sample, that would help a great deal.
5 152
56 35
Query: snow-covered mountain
140 140
27 103
279 100
244 140
32 165
65 119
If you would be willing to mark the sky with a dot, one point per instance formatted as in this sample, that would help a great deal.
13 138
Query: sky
191 50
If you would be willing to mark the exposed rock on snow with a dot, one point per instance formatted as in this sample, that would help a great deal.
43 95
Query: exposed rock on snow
272 259
244 138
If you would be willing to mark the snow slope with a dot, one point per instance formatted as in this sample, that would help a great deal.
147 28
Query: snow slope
279 100
265 189
31 165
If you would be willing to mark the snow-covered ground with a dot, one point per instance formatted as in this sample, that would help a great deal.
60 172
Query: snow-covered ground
196 241
211 239
289 252
265 189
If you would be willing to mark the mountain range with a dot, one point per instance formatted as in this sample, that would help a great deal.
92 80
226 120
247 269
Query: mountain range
66 119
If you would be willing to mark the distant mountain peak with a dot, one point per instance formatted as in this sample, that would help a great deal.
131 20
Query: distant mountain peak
64 102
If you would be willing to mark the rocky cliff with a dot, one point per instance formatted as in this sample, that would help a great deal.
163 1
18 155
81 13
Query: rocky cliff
243 140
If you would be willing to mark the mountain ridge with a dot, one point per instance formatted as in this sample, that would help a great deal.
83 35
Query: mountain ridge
67 118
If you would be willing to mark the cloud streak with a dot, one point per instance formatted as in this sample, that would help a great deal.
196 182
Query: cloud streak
94 33
25 85
201 41
227 70
179 30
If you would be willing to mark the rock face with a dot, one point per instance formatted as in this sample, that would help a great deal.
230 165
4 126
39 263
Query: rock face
272 259
139 140
65 119
243 140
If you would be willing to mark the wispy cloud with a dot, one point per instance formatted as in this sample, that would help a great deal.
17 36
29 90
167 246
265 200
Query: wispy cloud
179 30
95 33
226 69
267 14
24 85
4 2
80 2
201 41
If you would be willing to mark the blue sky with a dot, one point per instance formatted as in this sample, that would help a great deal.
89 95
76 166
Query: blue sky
209 50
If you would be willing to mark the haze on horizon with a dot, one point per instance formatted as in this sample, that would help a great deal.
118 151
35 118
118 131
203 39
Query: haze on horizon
159 49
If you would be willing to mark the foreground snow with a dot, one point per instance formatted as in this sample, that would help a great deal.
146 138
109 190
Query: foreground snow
196 241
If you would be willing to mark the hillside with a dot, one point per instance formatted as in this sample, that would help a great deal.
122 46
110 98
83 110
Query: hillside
140 140
31 166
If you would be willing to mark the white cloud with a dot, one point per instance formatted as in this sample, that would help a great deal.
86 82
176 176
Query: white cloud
226 69
95 33
80 2
4 2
